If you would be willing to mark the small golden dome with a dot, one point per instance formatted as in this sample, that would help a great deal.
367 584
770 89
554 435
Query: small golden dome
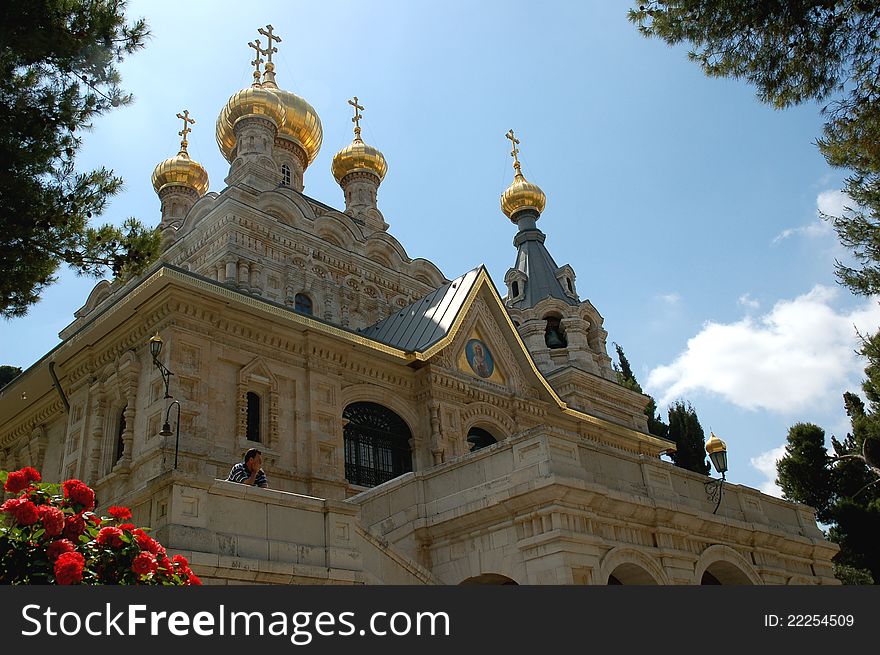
715 445
522 194
252 101
301 122
180 170
359 157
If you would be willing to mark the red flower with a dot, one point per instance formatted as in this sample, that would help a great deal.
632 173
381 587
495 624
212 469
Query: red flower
23 510
80 493
144 564
146 542
181 561
58 548
126 526
119 513
32 474
74 527
110 536
16 481
53 520
193 579
69 568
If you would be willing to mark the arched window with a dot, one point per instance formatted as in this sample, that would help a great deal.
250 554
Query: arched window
568 281
120 442
554 335
376 444
285 175
302 304
253 416
480 438
515 287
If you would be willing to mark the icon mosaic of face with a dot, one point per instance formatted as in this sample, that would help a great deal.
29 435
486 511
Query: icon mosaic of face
480 358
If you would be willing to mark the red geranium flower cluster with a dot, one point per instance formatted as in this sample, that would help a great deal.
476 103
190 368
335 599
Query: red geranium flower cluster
51 535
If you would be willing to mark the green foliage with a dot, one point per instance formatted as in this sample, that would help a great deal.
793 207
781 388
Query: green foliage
690 441
850 575
803 470
794 51
57 73
626 378
8 374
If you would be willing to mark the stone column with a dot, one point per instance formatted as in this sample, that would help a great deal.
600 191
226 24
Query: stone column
436 446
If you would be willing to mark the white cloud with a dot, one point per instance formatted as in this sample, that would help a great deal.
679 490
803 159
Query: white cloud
748 302
831 202
765 463
799 353
671 299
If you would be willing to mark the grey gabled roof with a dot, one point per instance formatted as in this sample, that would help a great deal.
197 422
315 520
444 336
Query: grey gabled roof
423 323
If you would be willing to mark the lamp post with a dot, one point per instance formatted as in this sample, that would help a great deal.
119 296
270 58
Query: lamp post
166 429
155 351
717 451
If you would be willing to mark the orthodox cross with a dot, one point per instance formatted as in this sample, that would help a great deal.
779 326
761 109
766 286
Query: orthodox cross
269 75
255 44
515 142
187 121
267 32
357 117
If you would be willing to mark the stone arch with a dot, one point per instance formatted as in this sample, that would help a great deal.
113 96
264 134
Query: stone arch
727 566
489 579
378 443
202 207
375 394
630 566
426 272
386 247
337 229
491 418
99 293
288 206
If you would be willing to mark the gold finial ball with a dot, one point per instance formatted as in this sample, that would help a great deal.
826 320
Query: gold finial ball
180 170
715 445
358 157
522 194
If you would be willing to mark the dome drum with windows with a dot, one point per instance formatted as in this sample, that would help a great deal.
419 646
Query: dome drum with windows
297 121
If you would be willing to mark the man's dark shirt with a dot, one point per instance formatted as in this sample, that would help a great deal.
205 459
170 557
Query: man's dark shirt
240 473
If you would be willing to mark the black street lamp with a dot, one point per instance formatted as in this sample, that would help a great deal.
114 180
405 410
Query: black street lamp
717 451
155 351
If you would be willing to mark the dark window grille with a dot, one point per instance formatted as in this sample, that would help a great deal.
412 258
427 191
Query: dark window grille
120 442
285 175
302 304
376 444
253 416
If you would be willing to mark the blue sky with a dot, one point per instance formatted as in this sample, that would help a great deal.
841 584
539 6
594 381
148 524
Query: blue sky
686 207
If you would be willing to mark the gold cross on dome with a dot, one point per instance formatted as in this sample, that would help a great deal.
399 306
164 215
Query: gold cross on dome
514 141
187 121
357 116
255 44
267 32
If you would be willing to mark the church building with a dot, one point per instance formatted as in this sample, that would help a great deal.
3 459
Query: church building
414 428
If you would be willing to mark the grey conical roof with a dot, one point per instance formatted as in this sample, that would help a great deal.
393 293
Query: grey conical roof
534 260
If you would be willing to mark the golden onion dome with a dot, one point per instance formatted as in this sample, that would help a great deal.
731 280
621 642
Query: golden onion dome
715 445
302 125
256 100
522 194
358 157
180 170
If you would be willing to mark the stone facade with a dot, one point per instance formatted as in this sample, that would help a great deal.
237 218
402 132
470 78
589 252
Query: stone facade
263 298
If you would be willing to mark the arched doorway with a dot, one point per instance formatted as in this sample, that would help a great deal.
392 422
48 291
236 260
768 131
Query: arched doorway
376 444
724 573
489 578
480 438
630 574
